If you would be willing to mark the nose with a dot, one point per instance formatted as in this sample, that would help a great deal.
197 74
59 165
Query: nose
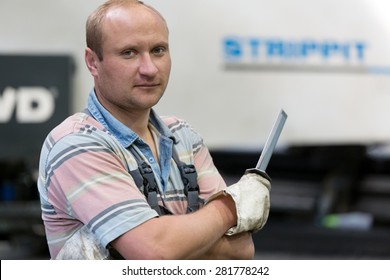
147 66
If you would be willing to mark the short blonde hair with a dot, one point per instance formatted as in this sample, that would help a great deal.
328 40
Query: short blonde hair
94 32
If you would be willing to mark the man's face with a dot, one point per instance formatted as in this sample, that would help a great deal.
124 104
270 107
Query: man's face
134 72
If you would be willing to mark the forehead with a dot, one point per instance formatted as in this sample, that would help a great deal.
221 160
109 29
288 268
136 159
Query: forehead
133 21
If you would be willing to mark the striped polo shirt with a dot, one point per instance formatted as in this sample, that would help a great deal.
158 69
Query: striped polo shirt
84 174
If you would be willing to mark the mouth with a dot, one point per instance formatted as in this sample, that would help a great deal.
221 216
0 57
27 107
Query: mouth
146 85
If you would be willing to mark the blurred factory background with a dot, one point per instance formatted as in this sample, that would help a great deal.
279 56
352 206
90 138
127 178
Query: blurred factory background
235 65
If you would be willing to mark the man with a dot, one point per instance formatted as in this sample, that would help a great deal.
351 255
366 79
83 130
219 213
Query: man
89 164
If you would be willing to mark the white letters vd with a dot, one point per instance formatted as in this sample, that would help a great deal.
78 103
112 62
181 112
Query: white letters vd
30 104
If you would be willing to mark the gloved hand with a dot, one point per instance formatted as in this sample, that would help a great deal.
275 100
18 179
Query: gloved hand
252 198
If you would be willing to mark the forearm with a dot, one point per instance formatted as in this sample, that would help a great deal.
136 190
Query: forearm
239 246
181 236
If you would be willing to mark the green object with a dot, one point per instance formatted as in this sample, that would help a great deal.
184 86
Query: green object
331 221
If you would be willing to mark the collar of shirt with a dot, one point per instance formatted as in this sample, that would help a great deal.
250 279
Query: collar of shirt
121 132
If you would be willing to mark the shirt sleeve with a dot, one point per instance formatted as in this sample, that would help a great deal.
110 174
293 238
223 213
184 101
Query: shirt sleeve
89 182
210 180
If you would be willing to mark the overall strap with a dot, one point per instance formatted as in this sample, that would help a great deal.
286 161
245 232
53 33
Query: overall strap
144 177
189 177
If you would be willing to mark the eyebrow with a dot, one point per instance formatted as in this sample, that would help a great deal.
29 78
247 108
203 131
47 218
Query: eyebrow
135 46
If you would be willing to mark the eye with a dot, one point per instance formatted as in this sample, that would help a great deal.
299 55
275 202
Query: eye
159 51
128 53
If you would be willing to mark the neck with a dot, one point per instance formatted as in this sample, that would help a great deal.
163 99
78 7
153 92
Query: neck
136 121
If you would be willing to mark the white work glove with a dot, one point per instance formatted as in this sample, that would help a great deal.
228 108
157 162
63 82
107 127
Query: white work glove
83 245
252 198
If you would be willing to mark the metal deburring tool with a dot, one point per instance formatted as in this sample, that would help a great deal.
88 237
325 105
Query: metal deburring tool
269 146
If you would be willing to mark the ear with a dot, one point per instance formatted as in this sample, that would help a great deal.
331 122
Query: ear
91 61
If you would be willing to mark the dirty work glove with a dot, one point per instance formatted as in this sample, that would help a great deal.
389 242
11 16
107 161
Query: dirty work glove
252 199
83 245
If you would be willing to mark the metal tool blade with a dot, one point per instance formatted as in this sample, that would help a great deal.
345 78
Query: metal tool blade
271 141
